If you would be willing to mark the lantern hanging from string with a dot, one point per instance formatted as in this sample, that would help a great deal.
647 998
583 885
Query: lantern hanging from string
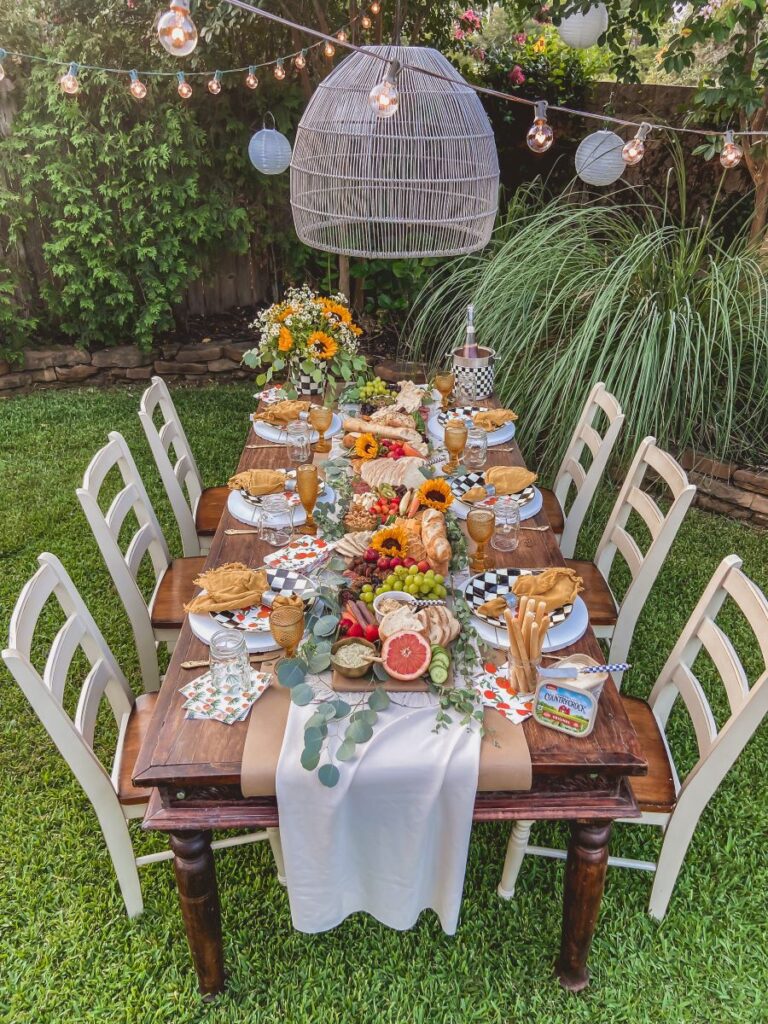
423 182
269 150
581 30
599 159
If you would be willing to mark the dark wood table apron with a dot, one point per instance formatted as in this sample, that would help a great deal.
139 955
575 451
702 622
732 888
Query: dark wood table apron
194 769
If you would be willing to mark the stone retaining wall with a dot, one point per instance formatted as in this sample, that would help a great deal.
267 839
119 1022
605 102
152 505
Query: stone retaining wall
61 365
726 488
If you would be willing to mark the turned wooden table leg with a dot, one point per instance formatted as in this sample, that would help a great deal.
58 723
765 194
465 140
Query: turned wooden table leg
199 899
584 882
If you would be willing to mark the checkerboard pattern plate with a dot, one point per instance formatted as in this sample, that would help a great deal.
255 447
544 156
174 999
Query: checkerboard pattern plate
461 412
494 582
250 620
287 581
257 499
461 484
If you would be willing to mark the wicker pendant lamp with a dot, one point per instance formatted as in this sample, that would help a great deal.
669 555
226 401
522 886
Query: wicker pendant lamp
422 182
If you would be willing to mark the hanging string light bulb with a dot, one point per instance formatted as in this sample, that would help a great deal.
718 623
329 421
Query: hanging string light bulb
341 35
300 60
68 82
365 22
137 87
251 80
214 85
384 98
176 30
540 135
3 55
329 50
730 154
633 151
375 7
184 88
279 70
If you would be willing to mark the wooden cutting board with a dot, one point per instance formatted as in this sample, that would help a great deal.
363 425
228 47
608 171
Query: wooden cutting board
343 684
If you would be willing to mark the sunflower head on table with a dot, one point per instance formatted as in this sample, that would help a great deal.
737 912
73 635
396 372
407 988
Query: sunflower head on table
306 333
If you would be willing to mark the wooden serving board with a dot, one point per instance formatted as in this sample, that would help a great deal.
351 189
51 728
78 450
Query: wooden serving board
343 684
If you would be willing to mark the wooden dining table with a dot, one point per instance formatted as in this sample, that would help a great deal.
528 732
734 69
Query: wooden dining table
193 768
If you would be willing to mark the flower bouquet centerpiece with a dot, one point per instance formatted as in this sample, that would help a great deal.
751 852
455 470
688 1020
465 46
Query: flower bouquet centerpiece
309 337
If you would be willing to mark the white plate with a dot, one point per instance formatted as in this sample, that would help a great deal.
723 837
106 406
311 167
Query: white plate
559 636
277 434
204 626
505 433
527 511
247 513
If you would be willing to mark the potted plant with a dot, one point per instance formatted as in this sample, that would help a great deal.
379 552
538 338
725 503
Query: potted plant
308 337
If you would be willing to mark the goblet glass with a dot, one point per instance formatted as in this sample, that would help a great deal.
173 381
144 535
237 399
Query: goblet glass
320 417
444 384
480 524
286 624
454 440
307 487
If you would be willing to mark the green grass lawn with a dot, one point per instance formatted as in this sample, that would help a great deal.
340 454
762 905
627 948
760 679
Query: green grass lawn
69 954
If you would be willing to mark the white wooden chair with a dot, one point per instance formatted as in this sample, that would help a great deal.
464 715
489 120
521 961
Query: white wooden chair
572 472
160 619
608 618
112 794
673 807
197 511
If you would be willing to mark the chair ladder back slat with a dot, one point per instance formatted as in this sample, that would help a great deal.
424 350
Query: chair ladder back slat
144 541
591 438
727 663
33 598
631 553
124 502
647 509
98 684
753 605
671 472
576 472
692 693
63 649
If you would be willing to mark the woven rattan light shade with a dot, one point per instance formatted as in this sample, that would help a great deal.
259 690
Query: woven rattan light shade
421 183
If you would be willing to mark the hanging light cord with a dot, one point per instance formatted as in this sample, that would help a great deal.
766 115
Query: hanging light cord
509 97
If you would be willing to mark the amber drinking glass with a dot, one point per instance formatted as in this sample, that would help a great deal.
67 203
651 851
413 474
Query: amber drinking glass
480 526
320 417
307 487
286 624
454 440
444 384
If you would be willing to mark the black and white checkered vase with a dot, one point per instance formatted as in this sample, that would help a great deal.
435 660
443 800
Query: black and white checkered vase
495 582
305 385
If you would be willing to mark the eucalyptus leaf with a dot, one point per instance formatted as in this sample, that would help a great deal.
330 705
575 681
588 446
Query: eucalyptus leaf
359 731
379 699
326 625
329 775
323 647
346 750
319 661
380 672
292 671
302 694
310 758
315 720
314 736
326 711
341 708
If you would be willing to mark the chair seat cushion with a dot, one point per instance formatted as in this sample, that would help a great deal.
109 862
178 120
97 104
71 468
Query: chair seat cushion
656 790
212 503
552 511
597 594
175 590
135 731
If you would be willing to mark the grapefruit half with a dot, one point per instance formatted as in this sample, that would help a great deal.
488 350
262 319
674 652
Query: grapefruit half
406 655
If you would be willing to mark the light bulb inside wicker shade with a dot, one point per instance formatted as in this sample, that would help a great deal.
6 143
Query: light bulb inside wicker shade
421 183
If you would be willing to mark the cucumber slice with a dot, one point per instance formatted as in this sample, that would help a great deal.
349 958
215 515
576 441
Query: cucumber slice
438 675
440 659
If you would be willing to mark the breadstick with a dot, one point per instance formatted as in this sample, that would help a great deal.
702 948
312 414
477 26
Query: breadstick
517 649
541 612
527 623
522 606
535 643
543 633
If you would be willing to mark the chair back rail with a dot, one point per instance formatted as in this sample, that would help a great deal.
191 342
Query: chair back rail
147 539
181 476
663 529
572 472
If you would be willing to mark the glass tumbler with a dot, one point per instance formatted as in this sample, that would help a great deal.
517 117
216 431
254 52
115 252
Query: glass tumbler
507 533
297 442
276 520
228 659
476 448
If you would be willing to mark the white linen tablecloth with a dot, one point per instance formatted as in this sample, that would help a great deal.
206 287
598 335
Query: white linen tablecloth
391 838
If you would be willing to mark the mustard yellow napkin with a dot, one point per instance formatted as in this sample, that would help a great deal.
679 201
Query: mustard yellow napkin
555 587
492 419
228 587
258 481
509 479
281 413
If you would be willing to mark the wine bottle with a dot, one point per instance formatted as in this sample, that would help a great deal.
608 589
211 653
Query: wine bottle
470 346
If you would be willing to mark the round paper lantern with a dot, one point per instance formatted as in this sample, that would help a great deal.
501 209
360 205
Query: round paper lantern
422 182
583 30
269 151
598 158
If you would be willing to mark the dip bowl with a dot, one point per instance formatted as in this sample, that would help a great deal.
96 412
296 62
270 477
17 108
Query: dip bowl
359 670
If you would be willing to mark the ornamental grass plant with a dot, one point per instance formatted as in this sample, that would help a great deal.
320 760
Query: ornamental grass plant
673 318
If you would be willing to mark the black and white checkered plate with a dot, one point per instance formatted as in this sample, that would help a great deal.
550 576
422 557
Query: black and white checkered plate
461 484
256 619
499 582
461 412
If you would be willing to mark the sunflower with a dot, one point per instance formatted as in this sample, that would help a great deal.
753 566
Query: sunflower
322 345
357 331
391 541
284 340
283 315
366 446
436 494
335 308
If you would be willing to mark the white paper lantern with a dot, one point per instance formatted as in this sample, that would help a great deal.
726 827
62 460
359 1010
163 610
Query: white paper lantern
269 151
598 158
583 30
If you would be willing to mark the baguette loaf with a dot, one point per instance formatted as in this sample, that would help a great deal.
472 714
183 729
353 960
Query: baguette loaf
353 425
436 540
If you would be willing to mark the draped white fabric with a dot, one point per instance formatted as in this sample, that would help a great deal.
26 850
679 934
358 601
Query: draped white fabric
391 838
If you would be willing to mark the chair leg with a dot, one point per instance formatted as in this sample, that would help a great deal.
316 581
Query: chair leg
273 834
677 839
518 841
118 839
